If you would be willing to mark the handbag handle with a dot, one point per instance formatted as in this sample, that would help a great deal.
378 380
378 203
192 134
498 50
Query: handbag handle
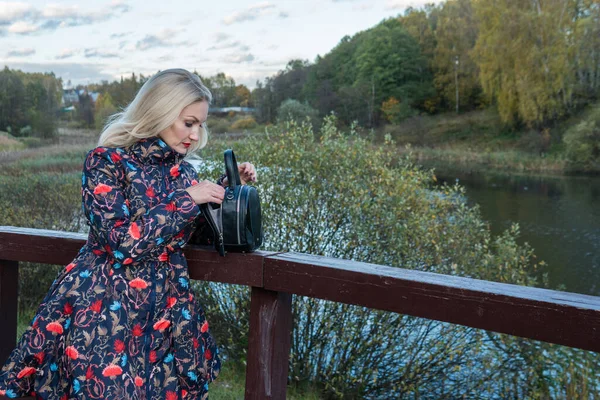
231 169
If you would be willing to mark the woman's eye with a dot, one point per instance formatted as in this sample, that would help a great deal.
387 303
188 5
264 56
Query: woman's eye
189 124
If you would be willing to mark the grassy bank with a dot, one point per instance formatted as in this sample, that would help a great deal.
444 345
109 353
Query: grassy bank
479 141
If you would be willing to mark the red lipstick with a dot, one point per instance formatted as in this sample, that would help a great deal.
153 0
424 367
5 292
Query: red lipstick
187 145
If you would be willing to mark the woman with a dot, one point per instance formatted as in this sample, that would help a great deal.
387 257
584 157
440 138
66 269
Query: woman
120 321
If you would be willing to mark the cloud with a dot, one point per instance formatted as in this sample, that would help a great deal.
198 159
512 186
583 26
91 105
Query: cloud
283 14
237 58
20 53
66 53
249 14
119 35
89 53
403 4
76 72
163 38
11 11
221 36
25 19
23 28
227 45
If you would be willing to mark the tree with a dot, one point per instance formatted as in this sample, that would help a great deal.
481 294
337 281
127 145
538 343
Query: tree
104 108
12 101
454 70
524 53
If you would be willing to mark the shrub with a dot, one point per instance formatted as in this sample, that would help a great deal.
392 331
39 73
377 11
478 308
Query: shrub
583 143
367 205
293 110
244 123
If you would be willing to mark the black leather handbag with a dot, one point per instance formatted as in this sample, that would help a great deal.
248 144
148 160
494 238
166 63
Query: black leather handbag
236 224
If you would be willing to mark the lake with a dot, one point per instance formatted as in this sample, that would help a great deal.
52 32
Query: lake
559 216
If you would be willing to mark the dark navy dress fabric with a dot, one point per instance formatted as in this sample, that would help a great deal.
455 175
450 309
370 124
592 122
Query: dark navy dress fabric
120 321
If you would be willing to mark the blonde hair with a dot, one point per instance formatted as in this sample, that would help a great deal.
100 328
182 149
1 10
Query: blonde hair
156 107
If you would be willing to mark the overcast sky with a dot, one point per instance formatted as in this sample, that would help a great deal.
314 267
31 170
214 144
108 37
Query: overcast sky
89 41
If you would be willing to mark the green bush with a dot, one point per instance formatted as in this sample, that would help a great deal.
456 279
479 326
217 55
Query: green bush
583 143
219 125
293 110
365 204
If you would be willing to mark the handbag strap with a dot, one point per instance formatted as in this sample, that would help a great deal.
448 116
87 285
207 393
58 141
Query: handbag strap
231 168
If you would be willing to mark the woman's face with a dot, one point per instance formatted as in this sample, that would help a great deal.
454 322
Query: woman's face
187 127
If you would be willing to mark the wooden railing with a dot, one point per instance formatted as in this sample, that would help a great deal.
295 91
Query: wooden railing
556 317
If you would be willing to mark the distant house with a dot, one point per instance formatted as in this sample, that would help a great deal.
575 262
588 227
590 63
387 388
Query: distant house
71 96
227 110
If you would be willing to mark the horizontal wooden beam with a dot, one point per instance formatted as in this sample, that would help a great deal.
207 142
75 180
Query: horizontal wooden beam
558 317
56 247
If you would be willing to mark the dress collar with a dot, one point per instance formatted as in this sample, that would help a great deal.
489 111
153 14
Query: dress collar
155 150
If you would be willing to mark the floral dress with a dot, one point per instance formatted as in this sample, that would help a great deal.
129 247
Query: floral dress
120 321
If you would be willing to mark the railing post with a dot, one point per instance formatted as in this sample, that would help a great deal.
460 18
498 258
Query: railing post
9 286
269 342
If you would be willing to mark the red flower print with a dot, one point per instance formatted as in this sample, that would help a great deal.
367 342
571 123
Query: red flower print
68 308
194 182
40 357
54 327
171 301
171 395
72 352
89 374
116 157
138 283
97 252
119 346
102 188
152 356
196 343
183 392
64 397
112 371
137 330
25 372
171 207
99 150
96 306
128 261
119 223
174 171
139 382
162 325
69 267
204 327
163 256
134 231
207 354
150 192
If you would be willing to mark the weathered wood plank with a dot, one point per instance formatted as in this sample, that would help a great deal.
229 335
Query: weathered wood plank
269 341
9 286
56 247
534 313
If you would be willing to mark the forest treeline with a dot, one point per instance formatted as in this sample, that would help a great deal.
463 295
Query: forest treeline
536 62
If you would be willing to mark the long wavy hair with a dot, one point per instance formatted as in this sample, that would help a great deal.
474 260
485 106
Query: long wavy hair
156 107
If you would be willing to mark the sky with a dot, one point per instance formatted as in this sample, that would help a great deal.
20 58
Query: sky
87 41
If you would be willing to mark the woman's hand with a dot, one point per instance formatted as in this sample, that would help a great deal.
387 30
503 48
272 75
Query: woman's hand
206 192
247 174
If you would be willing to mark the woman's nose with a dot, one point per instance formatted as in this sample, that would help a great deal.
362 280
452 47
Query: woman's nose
195 135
